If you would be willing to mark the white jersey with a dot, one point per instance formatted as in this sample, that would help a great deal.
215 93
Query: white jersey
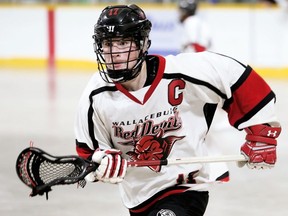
195 35
169 119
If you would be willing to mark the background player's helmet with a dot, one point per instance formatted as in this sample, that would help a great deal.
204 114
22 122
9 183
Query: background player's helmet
121 21
187 8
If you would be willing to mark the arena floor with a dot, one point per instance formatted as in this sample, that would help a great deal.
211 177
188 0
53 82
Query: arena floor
30 113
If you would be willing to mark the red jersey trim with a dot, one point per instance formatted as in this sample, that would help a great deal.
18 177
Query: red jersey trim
224 178
198 47
159 75
253 92
170 191
143 207
83 150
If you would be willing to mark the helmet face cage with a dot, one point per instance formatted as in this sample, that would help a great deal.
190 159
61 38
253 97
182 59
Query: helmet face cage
108 69
121 25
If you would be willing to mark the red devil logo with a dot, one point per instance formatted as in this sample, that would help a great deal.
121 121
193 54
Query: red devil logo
153 147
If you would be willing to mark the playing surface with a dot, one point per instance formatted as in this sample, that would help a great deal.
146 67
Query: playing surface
30 113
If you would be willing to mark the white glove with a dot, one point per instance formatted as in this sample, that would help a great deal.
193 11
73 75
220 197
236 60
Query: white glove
112 167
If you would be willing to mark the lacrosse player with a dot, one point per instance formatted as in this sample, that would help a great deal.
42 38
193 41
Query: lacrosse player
149 107
196 37
195 32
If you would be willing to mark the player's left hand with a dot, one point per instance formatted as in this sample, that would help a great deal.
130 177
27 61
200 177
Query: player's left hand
260 146
112 167
259 155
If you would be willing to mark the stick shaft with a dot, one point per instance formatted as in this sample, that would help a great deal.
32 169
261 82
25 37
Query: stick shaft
190 160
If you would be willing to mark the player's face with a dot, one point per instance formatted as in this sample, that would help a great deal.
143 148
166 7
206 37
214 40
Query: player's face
182 15
120 53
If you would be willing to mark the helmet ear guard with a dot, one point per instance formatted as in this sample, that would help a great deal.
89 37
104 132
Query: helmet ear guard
122 21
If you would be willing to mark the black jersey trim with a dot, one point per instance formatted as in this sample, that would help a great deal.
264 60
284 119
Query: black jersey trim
152 68
91 111
81 144
242 78
223 177
209 112
271 96
229 57
195 81
160 195
236 85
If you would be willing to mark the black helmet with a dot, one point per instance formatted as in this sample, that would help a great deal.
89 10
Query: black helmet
127 22
188 7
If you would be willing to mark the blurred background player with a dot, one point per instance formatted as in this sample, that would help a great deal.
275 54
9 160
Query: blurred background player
195 34
197 37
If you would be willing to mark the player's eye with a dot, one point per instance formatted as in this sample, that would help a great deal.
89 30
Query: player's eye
106 43
123 44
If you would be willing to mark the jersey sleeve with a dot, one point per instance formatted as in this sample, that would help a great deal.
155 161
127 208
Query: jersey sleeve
250 100
90 131
237 88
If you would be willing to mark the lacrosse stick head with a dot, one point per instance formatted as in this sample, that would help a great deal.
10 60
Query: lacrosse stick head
40 170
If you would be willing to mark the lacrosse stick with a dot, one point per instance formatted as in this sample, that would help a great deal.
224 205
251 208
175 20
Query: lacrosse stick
40 170
189 160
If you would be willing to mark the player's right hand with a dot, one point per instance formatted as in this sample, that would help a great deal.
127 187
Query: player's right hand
112 167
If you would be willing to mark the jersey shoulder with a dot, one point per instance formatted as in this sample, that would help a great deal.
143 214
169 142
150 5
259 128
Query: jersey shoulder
201 61
205 66
96 83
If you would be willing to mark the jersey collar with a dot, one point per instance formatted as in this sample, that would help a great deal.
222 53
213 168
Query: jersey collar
153 86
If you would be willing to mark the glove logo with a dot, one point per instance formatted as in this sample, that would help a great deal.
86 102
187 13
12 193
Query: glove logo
272 133
153 147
